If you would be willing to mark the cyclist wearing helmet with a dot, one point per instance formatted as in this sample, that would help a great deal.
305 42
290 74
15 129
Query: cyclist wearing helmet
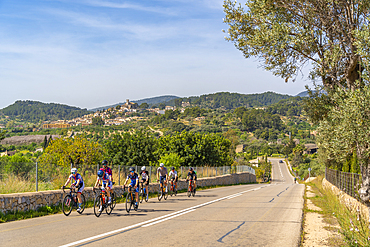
108 172
134 183
162 175
192 176
78 183
144 178
103 178
173 176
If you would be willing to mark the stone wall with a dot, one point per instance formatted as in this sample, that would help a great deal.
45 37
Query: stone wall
34 200
350 202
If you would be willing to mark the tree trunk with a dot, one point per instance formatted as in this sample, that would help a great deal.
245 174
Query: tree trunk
364 192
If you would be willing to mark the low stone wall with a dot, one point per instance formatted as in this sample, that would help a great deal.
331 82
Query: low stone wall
350 202
35 200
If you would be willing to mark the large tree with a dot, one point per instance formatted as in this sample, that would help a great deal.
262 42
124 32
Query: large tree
333 38
288 34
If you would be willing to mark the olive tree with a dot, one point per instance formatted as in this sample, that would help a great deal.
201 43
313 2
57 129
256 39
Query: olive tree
333 39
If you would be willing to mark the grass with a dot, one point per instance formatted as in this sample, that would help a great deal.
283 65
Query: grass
48 210
354 226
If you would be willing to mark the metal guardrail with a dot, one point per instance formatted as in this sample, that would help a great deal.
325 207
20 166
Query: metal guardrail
345 181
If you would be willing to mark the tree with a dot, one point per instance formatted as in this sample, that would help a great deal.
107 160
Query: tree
45 143
161 106
144 106
332 36
78 151
2 134
97 121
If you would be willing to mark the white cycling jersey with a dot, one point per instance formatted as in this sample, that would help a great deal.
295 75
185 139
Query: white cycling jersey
172 174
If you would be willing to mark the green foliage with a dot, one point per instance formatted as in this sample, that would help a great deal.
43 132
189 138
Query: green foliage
252 119
233 100
144 106
287 35
98 121
129 149
35 111
171 159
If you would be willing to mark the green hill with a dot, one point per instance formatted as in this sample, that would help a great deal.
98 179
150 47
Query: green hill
232 100
34 111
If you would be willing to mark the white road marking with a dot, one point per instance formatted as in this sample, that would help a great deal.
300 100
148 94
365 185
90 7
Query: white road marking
159 219
168 218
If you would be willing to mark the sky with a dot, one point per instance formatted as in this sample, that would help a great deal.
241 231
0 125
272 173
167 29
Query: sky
92 53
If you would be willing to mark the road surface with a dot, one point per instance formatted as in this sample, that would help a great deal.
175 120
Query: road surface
243 215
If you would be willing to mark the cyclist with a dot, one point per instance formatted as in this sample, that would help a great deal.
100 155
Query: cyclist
173 176
134 178
192 177
104 179
145 179
162 176
108 171
78 183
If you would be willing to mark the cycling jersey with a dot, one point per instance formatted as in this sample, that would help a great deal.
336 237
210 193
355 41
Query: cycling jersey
162 172
144 175
172 174
133 178
192 176
105 181
107 170
81 184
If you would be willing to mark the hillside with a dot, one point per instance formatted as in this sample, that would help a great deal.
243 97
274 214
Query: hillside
232 100
149 101
34 111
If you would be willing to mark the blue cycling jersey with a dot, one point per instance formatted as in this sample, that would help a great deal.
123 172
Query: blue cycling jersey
133 178
76 178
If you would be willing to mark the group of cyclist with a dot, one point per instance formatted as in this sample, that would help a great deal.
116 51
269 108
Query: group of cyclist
105 179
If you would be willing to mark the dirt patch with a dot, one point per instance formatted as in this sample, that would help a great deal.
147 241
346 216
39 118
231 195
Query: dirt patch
25 140
319 230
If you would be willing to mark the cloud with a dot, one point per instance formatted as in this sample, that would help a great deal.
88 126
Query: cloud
108 4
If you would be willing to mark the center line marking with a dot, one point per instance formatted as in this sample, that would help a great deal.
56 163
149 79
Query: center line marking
168 218
158 219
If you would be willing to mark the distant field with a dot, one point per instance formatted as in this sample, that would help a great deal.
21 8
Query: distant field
25 140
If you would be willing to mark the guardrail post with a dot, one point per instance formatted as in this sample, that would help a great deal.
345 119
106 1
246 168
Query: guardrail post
119 174
37 183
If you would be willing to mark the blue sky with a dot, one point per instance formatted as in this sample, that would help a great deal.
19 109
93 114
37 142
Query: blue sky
91 53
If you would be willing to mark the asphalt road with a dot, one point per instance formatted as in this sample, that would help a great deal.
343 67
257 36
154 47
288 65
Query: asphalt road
244 215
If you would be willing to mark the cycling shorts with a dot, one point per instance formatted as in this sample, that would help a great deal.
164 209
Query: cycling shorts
145 181
80 189
175 179
162 178
137 188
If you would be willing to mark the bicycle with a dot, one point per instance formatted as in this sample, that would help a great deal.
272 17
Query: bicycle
71 200
162 193
143 193
191 189
101 200
130 199
113 198
172 189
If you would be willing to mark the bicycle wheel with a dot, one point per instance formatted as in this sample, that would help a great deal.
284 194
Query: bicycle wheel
175 192
165 193
193 192
108 209
189 191
67 205
98 202
133 203
83 204
113 200
128 202
170 191
146 195
141 195
160 193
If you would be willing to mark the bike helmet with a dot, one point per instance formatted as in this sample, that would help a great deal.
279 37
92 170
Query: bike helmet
73 170
190 168
132 169
172 168
105 162
100 173
143 168
161 165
